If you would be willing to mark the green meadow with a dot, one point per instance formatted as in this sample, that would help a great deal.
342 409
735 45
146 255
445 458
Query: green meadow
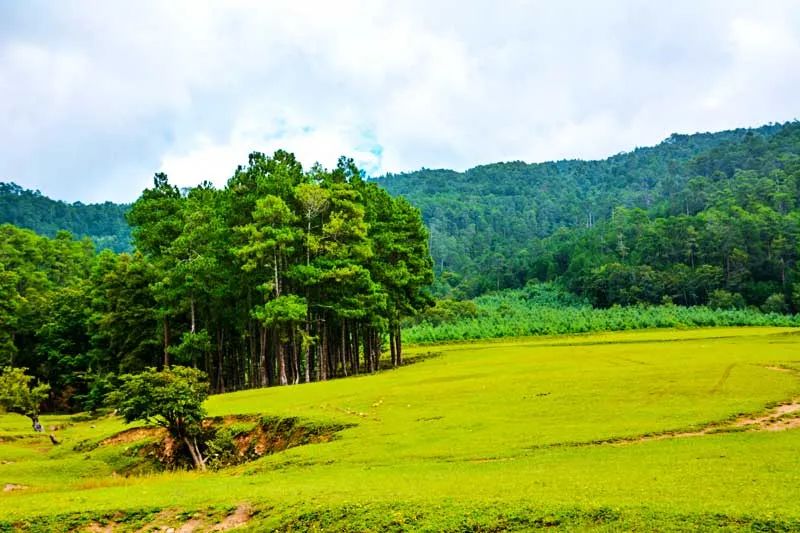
656 429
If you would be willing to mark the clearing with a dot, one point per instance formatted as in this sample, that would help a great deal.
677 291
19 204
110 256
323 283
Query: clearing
659 429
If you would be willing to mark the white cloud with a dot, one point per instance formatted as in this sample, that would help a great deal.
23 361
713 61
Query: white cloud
97 96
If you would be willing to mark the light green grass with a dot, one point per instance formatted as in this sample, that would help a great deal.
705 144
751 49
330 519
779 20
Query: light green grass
501 430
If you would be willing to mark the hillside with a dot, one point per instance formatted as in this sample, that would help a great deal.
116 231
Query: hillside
486 223
637 431
103 223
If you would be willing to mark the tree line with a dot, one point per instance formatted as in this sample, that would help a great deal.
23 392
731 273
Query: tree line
283 276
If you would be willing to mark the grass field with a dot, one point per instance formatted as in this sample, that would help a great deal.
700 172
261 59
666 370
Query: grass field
647 430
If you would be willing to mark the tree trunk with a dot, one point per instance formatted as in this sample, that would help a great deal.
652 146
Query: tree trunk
194 319
37 427
220 357
355 334
262 362
282 364
322 356
399 342
166 343
194 451
307 350
342 354
392 348
295 361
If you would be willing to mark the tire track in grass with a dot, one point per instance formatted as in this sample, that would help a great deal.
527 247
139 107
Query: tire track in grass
725 375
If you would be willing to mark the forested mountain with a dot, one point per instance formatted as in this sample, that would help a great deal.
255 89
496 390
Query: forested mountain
731 238
486 224
103 223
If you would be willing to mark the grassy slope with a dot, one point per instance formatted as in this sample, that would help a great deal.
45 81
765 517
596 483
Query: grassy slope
482 430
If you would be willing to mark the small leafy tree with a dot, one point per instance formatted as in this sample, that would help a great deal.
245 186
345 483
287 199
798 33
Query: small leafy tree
17 395
775 303
722 299
171 398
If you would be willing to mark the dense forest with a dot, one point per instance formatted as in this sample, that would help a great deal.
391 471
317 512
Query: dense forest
103 223
283 276
487 224
730 238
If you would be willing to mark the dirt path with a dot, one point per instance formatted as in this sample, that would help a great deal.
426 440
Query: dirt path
782 417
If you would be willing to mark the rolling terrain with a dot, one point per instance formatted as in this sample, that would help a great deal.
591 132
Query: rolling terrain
660 429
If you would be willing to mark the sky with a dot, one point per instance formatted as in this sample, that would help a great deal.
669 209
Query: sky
97 96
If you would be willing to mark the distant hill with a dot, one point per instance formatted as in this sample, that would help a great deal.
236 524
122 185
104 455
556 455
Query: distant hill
485 223
103 223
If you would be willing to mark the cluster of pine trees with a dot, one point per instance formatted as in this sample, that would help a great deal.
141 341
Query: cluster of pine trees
283 276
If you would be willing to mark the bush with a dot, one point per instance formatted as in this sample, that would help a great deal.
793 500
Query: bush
775 303
722 299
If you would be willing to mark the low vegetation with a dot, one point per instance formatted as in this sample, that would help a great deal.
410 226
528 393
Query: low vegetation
545 309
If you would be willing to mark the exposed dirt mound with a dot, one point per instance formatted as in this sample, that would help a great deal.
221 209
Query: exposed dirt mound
239 517
266 436
226 441
133 435
94 527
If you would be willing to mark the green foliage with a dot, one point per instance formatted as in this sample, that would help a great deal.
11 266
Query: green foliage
284 275
171 398
98 389
103 223
290 309
722 299
18 396
545 309
726 201
775 303
737 230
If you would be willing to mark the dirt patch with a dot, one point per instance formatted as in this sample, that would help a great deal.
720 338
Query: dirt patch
782 417
189 527
176 521
238 518
94 527
272 435
133 435
779 369
10 487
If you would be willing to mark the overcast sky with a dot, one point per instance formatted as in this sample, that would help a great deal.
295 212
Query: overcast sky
96 96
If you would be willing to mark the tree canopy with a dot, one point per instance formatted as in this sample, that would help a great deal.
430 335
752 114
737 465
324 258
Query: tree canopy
103 223
18 396
171 398
283 276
